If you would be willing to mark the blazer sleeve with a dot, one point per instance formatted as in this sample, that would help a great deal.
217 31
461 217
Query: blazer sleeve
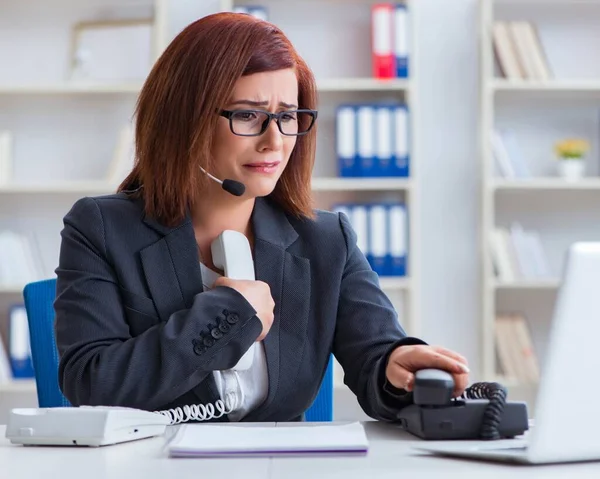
367 331
100 362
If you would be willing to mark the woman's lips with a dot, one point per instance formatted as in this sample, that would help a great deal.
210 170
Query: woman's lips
263 167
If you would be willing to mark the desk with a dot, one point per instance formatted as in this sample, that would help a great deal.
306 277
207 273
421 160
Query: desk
390 456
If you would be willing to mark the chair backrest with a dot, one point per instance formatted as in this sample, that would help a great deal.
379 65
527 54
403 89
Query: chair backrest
321 409
39 302
39 298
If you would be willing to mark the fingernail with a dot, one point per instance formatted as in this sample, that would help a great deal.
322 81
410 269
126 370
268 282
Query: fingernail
464 368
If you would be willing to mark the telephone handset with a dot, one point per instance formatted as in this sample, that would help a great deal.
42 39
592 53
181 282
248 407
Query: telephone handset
230 252
481 412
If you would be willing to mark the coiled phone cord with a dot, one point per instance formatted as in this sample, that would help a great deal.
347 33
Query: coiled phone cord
496 395
205 412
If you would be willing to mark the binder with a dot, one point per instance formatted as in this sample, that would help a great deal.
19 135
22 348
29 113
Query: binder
366 140
398 240
378 234
384 116
384 65
346 140
19 344
401 155
360 225
401 36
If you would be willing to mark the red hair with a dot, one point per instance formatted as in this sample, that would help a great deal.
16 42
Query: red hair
176 120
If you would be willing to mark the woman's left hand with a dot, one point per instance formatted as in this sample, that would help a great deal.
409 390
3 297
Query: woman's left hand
406 360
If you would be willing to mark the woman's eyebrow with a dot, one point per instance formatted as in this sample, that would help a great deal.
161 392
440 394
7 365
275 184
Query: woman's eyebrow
261 103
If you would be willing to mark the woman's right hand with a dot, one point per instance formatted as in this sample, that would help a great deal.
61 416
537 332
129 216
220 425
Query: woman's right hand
258 294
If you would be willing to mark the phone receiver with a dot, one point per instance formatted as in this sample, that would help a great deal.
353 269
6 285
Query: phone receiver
481 412
231 252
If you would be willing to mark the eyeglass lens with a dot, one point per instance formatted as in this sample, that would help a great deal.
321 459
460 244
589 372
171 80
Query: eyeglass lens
252 122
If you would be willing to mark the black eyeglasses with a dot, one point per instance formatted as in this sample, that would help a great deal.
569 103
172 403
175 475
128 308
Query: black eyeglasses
256 122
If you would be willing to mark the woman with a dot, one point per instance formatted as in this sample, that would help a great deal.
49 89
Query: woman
144 317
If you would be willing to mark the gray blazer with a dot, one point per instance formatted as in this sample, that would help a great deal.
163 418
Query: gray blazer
134 328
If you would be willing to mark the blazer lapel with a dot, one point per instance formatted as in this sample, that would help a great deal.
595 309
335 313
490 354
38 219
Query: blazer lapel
288 277
172 269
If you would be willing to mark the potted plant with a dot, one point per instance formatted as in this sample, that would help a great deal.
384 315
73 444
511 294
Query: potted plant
571 158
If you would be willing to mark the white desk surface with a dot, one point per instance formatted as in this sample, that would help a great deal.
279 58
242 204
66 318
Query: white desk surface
390 456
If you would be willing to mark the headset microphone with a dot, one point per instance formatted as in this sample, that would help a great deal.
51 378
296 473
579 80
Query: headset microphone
231 186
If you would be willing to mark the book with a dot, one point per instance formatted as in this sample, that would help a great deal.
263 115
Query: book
232 440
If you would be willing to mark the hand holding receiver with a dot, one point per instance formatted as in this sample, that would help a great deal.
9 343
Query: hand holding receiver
258 294
231 252
405 360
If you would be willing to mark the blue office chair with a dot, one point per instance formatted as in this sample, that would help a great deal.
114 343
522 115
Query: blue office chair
39 298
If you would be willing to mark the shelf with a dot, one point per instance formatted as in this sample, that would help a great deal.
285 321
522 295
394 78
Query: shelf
68 89
360 184
324 85
592 86
80 187
18 386
390 282
527 284
362 84
546 184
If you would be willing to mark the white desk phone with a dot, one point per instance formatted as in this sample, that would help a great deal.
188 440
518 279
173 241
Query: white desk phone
103 425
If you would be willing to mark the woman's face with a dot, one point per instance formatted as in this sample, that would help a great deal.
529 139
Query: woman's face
257 161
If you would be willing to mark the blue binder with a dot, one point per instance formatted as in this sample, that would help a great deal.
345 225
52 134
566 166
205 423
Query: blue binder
367 140
401 155
401 36
346 141
397 257
378 239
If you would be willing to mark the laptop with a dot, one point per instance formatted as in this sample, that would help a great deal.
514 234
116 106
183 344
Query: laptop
567 418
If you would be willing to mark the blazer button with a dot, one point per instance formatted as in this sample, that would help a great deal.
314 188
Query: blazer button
215 333
232 318
198 350
224 326
208 342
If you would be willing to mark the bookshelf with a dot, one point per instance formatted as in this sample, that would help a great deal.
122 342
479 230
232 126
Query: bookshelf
532 113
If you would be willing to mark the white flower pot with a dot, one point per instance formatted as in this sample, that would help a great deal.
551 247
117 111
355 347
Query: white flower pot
571 170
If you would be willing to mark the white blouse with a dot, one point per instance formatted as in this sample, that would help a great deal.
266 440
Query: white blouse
253 381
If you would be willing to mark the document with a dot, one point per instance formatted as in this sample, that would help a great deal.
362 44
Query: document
208 440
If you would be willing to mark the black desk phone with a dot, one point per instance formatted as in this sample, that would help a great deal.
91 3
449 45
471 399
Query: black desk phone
481 412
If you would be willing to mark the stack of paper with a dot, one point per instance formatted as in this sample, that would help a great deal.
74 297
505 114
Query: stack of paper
199 440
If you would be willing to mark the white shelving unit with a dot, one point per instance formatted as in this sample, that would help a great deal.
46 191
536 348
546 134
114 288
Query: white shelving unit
539 113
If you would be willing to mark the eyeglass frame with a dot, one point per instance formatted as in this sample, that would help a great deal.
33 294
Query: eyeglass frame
229 115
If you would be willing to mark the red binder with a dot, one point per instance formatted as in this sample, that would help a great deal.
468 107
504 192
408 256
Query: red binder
384 63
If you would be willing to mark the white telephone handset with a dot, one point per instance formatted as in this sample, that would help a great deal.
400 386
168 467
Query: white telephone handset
231 253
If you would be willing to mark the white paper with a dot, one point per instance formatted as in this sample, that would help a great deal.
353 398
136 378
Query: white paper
230 440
